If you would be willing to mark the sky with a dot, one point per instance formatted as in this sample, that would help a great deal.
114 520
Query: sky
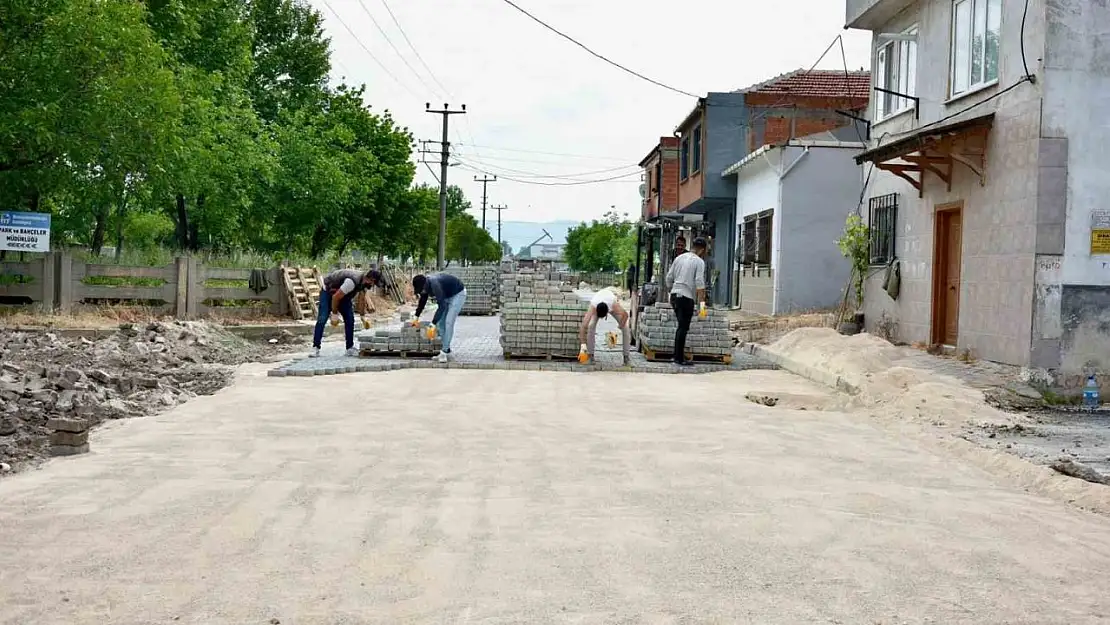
540 109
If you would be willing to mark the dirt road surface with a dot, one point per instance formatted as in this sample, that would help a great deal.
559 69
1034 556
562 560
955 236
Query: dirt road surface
498 497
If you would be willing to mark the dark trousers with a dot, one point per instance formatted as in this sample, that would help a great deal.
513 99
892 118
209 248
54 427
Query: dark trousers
684 312
346 309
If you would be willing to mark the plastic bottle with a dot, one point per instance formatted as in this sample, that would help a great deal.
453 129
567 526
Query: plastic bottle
1090 394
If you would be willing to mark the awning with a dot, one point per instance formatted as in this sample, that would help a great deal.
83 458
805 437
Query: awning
935 149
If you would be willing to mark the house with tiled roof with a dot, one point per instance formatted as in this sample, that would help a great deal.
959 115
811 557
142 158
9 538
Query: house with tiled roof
724 127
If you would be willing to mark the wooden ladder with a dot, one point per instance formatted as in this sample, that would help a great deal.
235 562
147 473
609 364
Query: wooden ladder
303 286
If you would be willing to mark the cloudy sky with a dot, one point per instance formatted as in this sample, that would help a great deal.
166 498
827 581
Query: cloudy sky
541 109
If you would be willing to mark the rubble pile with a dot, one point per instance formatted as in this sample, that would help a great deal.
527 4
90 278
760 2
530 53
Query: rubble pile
481 282
708 337
50 384
404 339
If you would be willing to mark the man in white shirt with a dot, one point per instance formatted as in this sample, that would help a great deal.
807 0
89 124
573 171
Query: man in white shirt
686 283
603 304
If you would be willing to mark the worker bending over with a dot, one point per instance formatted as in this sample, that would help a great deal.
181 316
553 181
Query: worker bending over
603 304
450 296
686 281
337 298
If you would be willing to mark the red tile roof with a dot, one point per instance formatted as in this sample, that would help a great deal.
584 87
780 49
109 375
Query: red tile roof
821 83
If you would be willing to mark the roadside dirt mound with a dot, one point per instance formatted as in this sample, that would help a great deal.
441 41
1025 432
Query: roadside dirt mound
853 358
138 370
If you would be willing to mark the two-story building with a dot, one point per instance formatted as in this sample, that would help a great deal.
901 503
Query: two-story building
660 190
723 128
988 180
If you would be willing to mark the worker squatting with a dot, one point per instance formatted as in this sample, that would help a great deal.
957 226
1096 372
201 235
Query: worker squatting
685 283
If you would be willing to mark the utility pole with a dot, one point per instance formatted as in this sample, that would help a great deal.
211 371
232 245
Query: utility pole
446 112
498 209
484 180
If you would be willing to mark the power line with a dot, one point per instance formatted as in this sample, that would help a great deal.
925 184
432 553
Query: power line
390 42
620 178
600 56
368 52
413 48
500 149
531 174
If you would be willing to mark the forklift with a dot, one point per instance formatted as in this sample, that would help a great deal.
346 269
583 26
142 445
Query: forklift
656 240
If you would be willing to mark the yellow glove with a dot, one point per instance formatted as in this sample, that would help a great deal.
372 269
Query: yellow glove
334 319
365 323
583 357
431 333
703 313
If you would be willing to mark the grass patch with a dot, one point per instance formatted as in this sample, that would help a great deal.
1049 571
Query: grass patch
217 283
122 281
1053 398
12 279
237 303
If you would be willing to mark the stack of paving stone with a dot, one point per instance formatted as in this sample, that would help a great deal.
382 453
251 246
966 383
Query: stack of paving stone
70 437
538 329
481 284
528 285
708 338
539 316
404 340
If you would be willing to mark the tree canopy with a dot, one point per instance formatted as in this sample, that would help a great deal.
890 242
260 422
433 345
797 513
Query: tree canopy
608 244
201 125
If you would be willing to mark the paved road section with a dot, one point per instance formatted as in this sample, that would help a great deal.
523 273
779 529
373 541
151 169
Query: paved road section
497 497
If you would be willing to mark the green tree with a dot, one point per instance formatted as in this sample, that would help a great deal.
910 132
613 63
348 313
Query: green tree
608 244
468 243
291 57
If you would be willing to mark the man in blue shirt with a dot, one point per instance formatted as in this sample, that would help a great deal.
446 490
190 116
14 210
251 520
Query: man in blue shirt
450 296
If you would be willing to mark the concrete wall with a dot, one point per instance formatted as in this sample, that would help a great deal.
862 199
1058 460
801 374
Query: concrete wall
1000 229
817 195
757 290
725 141
1074 185
182 288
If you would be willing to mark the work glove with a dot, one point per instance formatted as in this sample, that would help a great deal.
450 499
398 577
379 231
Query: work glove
703 312
365 322
334 319
583 357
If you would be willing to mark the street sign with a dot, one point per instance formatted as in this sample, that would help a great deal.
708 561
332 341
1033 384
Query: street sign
24 232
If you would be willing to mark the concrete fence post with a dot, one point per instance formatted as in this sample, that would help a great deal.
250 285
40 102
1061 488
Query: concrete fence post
49 271
195 288
63 281
181 290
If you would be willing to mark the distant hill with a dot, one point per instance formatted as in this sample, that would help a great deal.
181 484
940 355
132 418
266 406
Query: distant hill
521 233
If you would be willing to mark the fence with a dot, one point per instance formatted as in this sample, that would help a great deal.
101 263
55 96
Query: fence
184 288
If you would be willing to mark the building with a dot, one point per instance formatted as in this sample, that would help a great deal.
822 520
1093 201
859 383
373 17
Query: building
547 251
790 202
723 128
660 190
988 177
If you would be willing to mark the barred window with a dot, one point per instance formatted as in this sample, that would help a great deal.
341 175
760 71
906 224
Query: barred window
882 226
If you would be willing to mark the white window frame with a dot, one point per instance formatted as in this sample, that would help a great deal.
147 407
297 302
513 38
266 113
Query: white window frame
903 81
980 81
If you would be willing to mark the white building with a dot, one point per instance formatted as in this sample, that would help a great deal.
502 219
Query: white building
791 204
990 182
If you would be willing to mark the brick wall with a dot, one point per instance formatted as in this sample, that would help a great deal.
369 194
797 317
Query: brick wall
778 129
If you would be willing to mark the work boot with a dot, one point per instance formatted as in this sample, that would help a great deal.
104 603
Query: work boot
314 352
353 352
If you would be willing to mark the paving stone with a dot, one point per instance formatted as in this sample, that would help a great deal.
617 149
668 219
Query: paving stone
67 450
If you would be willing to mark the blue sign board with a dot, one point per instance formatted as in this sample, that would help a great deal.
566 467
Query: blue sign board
24 232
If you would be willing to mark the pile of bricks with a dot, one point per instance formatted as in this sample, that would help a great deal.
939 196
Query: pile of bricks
541 329
69 437
481 284
529 285
540 315
404 340
708 338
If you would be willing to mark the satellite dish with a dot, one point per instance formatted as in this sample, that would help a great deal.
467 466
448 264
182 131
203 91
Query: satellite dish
643 190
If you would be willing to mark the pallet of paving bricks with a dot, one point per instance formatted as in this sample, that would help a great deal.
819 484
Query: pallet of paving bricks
482 284
548 356
653 356
403 342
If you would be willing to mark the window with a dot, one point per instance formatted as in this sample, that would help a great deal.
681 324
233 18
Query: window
684 158
976 25
658 178
697 149
882 226
896 64
763 240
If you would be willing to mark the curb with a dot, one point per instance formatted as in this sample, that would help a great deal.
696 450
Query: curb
810 373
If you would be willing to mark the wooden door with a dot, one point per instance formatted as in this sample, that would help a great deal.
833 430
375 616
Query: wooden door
946 274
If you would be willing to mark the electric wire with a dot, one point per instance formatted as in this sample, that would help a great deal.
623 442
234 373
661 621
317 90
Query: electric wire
420 58
368 52
389 41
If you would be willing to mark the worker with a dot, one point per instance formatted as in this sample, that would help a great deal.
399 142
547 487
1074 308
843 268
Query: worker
336 298
679 247
630 278
686 283
450 296
603 304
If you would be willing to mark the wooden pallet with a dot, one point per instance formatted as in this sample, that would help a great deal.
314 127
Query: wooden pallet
548 357
380 354
656 356
391 287
303 286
